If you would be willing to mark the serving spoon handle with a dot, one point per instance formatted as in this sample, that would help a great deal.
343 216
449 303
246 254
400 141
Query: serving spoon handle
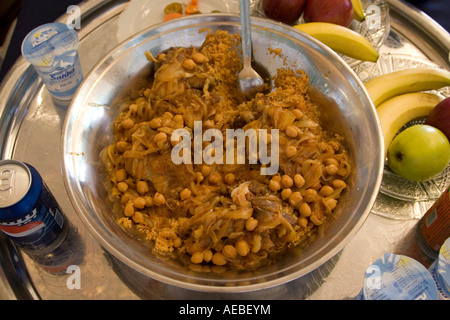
250 82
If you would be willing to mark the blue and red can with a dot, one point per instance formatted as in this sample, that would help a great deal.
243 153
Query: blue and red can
29 213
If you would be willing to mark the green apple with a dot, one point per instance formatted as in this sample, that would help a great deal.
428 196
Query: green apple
419 153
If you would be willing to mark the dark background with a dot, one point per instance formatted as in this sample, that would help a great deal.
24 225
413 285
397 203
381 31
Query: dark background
32 13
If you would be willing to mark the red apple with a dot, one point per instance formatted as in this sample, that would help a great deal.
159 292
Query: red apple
439 117
286 11
333 11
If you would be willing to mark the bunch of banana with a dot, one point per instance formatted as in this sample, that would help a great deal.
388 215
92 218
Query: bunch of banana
341 39
358 12
407 80
400 98
401 109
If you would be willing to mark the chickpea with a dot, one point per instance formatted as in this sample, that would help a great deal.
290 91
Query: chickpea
291 131
256 243
189 64
276 178
338 183
317 186
177 242
310 195
326 191
178 118
161 137
168 115
242 247
297 113
229 251
138 217
251 224
206 170
287 181
122 186
199 58
199 177
295 199
302 222
123 146
331 161
230 178
126 197
148 201
331 169
159 199
274 185
215 178
133 108
185 194
129 209
168 123
139 202
304 210
207 255
197 257
291 151
155 123
331 203
121 175
142 187
219 259
299 181
286 193
127 123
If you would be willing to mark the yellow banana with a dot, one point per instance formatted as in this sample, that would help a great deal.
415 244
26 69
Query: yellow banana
395 112
358 12
395 83
341 39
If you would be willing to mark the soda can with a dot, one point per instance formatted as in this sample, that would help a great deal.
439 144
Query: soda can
29 214
434 227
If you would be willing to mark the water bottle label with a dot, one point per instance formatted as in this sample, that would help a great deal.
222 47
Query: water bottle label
62 80
52 50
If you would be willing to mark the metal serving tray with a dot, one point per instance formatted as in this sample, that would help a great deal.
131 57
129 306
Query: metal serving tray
30 131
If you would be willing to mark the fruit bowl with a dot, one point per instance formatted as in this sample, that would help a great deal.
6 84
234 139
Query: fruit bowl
374 28
393 185
87 131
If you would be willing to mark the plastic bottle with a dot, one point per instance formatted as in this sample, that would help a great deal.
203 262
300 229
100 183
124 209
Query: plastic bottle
52 49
